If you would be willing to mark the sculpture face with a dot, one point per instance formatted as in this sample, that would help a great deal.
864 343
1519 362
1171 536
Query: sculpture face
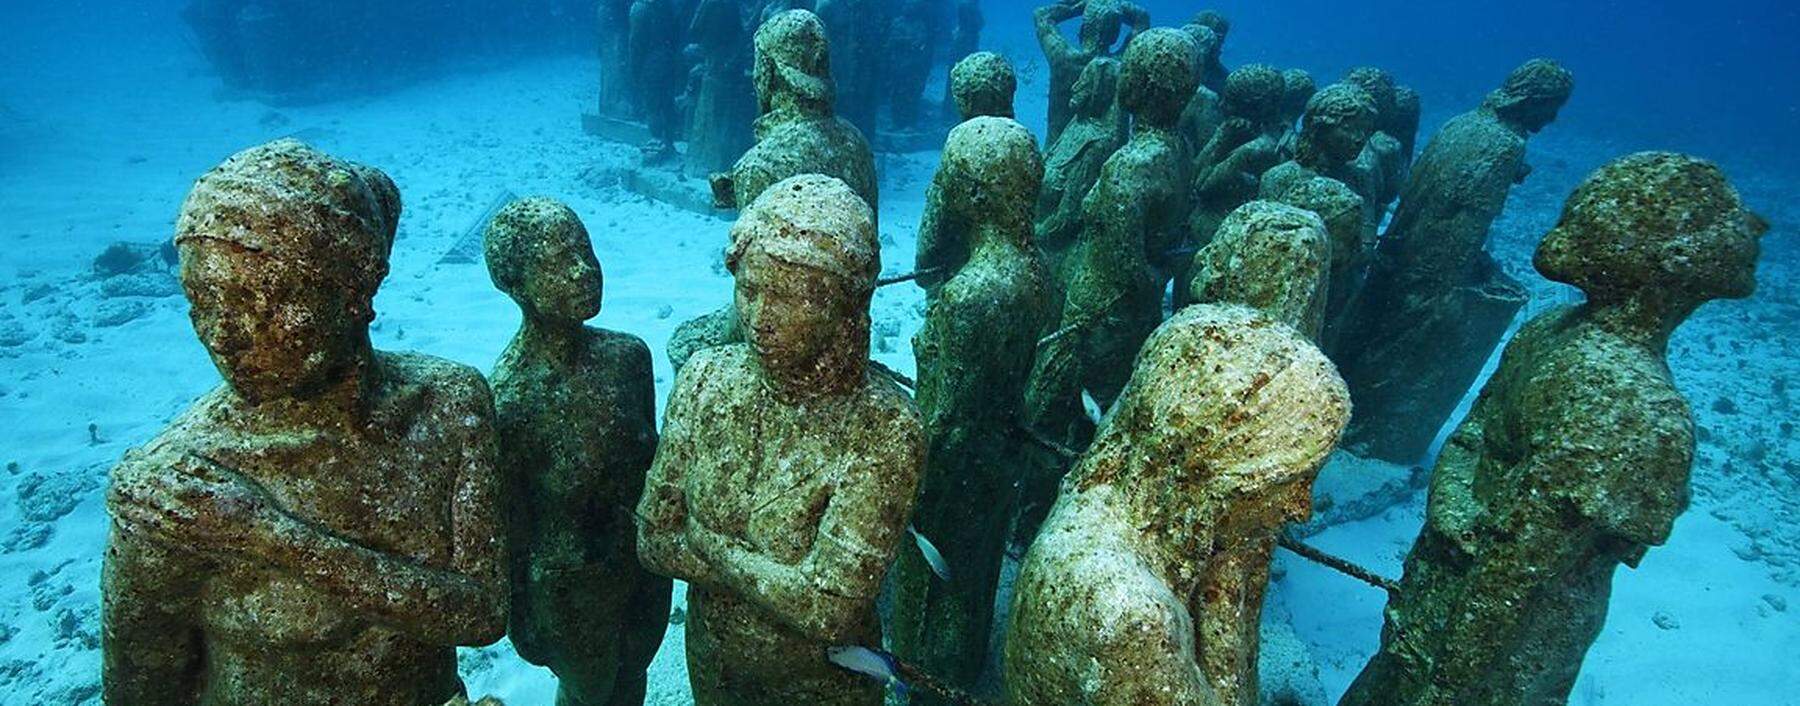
1533 94
1339 121
539 253
793 316
1101 22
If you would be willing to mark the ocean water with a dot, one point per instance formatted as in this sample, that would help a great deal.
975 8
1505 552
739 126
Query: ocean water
109 109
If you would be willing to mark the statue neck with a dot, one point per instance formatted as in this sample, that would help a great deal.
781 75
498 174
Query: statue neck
345 401
1646 318
548 337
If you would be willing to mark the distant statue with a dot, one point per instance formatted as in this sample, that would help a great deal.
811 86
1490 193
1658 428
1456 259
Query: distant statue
1131 218
974 351
914 35
787 469
965 42
577 423
1435 304
618 95
1097 128
325 527
1204 110
653 57
1575 459
1272 257
1213 73
1101 23
1228 169
858 31
1335 127
981 84
718 131
1352 246
1381 167
1300 90
1145 585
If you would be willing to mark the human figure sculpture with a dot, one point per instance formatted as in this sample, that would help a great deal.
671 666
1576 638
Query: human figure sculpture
617 95
1381 167
965 41
577 424
1435 304
787 469
913 37
1204 110
1352 247
1101 23
653 58
324 527
974 352
1575 459
718 130
858 32
1268 256
1403 124
1300 90
981 84
1334 129
1114 277
1228 169
1145 585
1213 73
1097 128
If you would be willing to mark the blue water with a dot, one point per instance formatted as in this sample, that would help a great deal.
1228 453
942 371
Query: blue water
109 109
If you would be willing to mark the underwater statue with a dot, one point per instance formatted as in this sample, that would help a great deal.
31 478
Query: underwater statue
1352 245
1101 23
325 527
914 33
1097 128
974 351
1203 112
1575 459
576 411
1228 170
981 84
1268 256
1113 277
965 41
1145 585
858 32
617 94
718 129
797 131
653 56
1336 125
1300 90
1381 167
1212 71
1434 303
787 469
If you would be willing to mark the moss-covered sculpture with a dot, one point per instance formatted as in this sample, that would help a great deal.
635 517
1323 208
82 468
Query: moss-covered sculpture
974 352
653 57
1213 73
325 527
858 31
796 133
787 468
1435 304
1145 585
1352 238
1272 257
1097 128
1101 23
718 127
612 22
576 413
983 84
1114 277
1334 129
1203 112
1575 459
965 41
915 30
1300 90
1381 168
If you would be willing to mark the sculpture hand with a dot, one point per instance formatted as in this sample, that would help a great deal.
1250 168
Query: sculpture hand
196 503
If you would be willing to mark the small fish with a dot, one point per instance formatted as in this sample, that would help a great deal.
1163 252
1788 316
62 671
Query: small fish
1093 408
932 557
873 664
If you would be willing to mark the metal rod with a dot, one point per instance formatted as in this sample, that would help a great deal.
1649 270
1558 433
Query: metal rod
1038 438
906 277
1338 564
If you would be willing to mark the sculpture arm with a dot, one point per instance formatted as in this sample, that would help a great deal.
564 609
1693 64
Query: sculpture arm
1046 18
662 516
937 245
1137 17
153 645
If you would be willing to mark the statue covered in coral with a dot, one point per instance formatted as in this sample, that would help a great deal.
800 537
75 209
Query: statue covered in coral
1576 457
324 527
718 128
1144 587
1335 127
914 34
1101 23
653 56
787 468
983 83
1272 257
1228 169
1097 128
1435 304
974 352
577 422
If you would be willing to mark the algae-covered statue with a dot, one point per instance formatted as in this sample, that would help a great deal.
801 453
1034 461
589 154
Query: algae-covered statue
1203 112
1352 240
965 41
787 467
1335 127
797 132
1229 167
1435 304
1101 23
1575 459
1097 128
1272 257
653 57
915 29
983 83
577 424
718 128
324 527
1213 73
1144 586
974 352
1381 167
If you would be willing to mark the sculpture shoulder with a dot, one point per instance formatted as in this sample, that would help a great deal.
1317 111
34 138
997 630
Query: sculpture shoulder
714 375
453 390
619 348
1471 141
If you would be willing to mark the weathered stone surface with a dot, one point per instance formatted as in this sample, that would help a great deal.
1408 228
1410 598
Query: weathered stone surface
1145 585
787 468
576 417
1575 459
326 525
1101 23
981 84
1097 127
1271 257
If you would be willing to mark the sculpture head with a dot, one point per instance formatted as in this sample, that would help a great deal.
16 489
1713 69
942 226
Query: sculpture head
539 253
1655 226
1101 23
1215 21
1226 419
282 248
1254 92
1096 88
1269 256
1207 43
1380 86
1532 95
1404 124
983 84
792 68
1157 76
990 173
1337 123
805 257
1300 89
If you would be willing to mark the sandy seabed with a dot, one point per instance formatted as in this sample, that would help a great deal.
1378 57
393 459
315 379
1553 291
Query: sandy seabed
89 368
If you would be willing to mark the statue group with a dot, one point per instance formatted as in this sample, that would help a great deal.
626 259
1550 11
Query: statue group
1141 342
